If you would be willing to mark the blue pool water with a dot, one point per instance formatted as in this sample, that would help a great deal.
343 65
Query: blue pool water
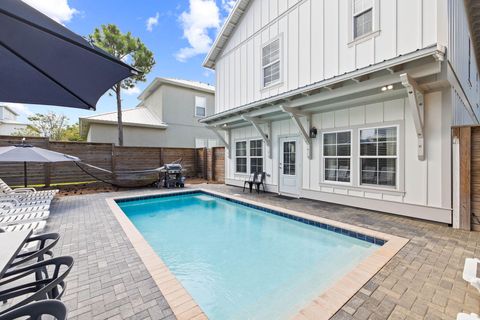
238 262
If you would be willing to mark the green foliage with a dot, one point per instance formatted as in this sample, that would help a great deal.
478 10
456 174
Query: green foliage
51 125
127 48
72 133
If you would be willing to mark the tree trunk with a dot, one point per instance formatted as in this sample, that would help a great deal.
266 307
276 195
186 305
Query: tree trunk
119 114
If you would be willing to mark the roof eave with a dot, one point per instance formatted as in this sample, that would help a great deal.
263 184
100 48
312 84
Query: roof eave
212 55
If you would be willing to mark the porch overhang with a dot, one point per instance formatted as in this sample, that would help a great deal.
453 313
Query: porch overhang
362 86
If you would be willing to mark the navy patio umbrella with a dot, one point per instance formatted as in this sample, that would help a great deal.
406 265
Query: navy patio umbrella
42 62
27 153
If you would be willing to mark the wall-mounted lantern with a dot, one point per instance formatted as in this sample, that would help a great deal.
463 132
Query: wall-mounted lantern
313 132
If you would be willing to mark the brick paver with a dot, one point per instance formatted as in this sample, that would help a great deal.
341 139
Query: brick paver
109 281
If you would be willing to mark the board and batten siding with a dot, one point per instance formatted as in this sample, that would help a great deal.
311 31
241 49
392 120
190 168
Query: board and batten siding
315 43
465 93
421 183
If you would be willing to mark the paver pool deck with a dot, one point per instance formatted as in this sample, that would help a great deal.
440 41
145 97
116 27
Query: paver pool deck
110 281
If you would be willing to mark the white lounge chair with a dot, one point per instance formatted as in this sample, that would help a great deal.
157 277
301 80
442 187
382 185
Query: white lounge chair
466 316
26 192
21 202
470 273
36 226
10 208
7 220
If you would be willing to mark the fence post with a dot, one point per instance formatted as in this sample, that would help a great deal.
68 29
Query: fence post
113 160
205 164
465 177
214 160
47 167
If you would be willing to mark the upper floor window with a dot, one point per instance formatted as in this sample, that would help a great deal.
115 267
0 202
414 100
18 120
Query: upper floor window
271 63
362 17
337 156
200 106
378 156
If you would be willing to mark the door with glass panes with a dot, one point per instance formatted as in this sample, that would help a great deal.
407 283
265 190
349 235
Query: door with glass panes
289 166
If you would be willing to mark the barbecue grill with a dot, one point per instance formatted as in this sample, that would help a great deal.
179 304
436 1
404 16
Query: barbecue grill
173 176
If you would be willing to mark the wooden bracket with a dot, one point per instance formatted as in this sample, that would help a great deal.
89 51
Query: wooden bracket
266 136
305 133
417 107
220 136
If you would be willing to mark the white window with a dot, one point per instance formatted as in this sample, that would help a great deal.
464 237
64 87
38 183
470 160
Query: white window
249 156
379 156
271 63
200 106
256 156
241 156
362 17
337 151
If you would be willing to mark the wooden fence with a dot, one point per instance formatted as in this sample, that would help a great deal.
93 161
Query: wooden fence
107 156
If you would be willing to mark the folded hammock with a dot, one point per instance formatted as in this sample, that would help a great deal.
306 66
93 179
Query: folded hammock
125 178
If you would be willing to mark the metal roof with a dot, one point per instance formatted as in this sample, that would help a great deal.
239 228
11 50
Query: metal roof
157 82
225 33
138 117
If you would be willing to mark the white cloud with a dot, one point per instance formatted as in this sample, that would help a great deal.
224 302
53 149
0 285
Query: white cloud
132 91
19 108
228 5
152 22
202 16
58 10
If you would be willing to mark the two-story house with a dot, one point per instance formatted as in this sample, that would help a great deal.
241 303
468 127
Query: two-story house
167 116
9 123
348 101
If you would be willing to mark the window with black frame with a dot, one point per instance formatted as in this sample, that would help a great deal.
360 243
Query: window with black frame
337 150
378 156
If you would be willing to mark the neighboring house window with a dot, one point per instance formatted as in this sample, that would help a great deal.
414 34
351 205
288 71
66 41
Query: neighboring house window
271 63
241 156
256 156
362 17
337 150
378 156
200 106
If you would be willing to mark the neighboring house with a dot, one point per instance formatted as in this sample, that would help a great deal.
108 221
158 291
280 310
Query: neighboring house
348 101
167 116
8 121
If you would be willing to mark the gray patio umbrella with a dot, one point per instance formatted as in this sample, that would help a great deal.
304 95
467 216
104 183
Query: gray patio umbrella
27 153
42 62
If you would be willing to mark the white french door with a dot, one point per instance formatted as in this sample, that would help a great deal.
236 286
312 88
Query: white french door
289 166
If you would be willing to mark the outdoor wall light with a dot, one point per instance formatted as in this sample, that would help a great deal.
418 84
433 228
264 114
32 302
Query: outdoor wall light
389 87
313 132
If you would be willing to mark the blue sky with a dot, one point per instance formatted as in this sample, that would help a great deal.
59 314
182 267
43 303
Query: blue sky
178 32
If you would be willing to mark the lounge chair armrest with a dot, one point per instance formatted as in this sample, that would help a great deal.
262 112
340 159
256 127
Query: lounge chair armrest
23 190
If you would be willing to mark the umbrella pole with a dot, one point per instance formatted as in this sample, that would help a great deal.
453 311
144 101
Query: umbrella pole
25 174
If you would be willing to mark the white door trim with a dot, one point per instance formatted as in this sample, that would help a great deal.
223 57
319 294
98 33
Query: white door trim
298 164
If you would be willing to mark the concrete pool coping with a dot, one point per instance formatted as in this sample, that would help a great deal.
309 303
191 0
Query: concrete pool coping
324 306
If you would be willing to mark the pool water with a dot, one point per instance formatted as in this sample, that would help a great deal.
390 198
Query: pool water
238 262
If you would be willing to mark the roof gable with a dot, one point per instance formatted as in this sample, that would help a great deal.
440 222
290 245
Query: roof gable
227 30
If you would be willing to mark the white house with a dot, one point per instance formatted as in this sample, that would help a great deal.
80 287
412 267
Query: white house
348 101
8 121
167 116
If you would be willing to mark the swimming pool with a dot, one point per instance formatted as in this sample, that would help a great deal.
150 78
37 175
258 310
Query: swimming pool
243 261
